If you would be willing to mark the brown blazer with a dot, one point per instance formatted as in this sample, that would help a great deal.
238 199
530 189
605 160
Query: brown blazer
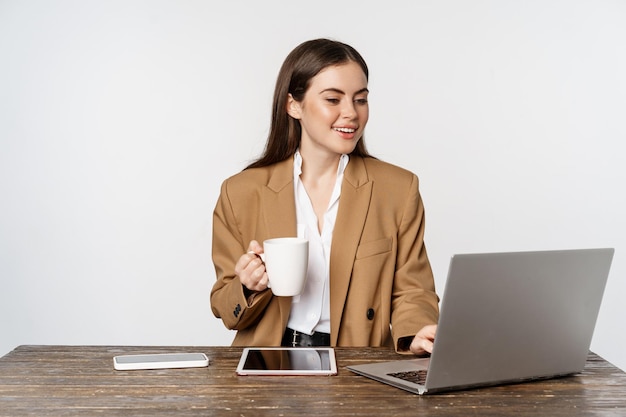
379 270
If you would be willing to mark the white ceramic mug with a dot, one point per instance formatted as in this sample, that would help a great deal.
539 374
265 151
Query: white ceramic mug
286 262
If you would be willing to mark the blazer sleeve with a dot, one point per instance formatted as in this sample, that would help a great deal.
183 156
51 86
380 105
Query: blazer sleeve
414 300
228 300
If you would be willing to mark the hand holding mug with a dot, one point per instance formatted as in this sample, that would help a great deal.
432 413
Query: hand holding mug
250 268
280 264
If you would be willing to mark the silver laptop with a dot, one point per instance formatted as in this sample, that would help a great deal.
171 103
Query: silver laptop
506 318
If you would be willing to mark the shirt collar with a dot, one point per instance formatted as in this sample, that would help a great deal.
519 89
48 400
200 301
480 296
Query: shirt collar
297 164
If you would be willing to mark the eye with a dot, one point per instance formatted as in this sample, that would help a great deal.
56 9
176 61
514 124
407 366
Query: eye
361 101
332 100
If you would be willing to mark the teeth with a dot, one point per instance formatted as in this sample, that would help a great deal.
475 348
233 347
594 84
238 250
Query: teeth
345 130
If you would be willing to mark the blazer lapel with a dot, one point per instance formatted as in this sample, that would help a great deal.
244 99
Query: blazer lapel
279 208
356 192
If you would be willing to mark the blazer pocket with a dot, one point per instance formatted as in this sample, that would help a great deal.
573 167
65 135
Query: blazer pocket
374 248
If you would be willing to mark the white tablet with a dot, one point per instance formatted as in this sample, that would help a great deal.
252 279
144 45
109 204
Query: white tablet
160 361
287 361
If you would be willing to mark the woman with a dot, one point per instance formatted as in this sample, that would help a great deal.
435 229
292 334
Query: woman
369 281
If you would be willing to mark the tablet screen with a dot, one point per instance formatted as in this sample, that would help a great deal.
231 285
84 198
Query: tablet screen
287 361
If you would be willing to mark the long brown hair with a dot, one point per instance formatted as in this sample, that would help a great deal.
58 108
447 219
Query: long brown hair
302 64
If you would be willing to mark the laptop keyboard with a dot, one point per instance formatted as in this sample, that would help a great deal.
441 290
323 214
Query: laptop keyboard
417 377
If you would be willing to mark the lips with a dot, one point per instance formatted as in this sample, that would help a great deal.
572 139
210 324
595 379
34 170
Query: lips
346 133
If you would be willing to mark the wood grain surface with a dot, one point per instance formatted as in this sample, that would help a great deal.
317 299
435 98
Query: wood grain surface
81 381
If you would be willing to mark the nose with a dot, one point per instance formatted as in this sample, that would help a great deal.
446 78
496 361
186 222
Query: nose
348 110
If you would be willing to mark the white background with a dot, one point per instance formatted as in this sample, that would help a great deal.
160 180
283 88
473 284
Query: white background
120 119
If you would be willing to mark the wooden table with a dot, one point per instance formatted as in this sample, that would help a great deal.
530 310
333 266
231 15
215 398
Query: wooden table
80 380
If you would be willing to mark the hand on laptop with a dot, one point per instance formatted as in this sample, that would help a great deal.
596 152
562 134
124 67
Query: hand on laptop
423 341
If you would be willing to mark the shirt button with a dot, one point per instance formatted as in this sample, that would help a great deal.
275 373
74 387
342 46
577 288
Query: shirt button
370 314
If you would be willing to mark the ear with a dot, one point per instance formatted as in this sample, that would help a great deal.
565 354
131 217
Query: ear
293 107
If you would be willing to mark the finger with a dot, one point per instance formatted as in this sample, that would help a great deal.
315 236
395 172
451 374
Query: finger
254 273
255 247
420 346
427 345
243 263
246 268
262 284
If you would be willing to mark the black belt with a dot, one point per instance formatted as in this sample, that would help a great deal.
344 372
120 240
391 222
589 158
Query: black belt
293 338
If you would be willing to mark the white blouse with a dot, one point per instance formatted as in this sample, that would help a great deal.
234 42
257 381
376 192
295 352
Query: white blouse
310 311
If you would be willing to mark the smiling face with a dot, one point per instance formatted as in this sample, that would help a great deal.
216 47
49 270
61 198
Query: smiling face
334 110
